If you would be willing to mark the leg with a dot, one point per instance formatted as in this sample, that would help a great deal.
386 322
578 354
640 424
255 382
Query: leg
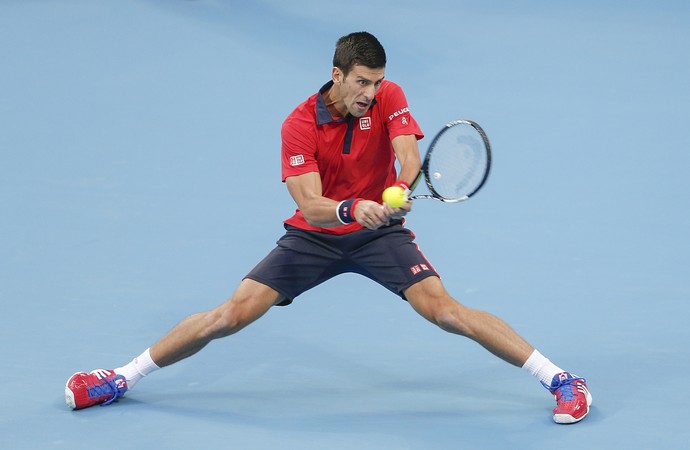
430 299
250 301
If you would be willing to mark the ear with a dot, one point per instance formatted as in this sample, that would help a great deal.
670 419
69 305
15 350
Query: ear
337 75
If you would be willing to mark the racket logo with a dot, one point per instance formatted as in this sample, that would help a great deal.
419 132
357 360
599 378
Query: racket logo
297 160
364 123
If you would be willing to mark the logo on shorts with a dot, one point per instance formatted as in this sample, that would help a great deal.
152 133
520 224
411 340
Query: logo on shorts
418 268
297 160
364 123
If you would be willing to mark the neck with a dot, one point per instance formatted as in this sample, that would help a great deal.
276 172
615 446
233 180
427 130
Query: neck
332 100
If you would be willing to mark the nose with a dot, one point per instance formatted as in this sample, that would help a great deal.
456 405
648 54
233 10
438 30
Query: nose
369 92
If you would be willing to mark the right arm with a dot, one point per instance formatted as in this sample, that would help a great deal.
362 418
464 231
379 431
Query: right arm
320 211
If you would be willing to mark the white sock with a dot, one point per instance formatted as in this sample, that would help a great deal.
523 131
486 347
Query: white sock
540 366
140 366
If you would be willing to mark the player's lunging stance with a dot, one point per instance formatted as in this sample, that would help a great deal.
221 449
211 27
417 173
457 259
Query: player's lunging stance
338 153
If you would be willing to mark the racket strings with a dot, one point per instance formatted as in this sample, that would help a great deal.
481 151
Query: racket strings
458 164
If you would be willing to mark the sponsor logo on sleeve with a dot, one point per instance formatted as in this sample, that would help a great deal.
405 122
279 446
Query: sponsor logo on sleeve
297 160
399 113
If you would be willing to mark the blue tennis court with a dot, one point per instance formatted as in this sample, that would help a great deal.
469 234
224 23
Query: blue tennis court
140 180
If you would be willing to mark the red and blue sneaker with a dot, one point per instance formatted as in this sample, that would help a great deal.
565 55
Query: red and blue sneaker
97 387
572 397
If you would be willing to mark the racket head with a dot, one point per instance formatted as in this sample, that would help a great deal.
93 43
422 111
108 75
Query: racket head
458 162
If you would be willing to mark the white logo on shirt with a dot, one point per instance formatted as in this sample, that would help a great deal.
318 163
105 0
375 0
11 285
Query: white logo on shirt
398 113
364 123
297 160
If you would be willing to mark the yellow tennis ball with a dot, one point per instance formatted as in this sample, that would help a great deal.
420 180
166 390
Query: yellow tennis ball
394 196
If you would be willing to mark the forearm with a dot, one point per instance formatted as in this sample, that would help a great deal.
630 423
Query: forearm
407 153
409 169
321 212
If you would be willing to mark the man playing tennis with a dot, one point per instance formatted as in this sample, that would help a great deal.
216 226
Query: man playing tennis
338 155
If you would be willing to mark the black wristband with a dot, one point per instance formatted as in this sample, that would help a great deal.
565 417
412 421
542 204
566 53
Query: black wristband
346 209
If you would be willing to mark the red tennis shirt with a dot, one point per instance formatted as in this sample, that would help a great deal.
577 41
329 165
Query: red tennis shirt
353 155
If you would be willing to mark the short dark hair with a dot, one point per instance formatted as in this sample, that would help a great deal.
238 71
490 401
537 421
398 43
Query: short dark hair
358 48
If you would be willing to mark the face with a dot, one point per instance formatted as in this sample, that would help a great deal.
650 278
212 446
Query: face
355 92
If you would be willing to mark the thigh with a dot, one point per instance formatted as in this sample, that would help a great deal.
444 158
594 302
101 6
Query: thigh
393 260
428 297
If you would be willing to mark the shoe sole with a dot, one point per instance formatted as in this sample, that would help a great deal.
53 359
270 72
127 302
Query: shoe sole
567 418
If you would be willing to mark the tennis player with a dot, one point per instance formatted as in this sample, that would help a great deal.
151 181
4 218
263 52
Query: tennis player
339 149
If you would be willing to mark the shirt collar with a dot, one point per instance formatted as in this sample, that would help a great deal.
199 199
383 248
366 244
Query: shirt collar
323 116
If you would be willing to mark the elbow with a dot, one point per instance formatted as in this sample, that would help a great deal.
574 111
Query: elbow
321 217
313 219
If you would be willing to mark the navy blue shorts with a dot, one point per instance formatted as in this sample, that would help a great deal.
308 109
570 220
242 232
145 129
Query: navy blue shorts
304 259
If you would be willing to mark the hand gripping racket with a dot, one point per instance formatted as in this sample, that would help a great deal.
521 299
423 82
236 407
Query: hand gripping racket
457 163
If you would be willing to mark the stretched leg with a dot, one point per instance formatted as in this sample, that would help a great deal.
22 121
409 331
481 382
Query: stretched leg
430 299
250 301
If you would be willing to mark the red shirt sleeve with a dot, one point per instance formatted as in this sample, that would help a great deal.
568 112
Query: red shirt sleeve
298 144
396 113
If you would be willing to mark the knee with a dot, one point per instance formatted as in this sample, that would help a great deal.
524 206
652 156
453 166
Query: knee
452 317
221 323
242 309
224 320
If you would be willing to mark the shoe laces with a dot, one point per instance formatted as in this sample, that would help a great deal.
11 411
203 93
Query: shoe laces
565 387
106 387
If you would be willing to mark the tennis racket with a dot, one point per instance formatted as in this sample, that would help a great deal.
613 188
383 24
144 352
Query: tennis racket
457 163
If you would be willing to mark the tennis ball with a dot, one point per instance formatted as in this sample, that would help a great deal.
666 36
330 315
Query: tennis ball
394 196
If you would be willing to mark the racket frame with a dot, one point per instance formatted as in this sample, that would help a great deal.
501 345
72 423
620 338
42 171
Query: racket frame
424 172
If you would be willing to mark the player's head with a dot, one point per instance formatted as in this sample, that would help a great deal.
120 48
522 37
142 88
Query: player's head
358 69
359 48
